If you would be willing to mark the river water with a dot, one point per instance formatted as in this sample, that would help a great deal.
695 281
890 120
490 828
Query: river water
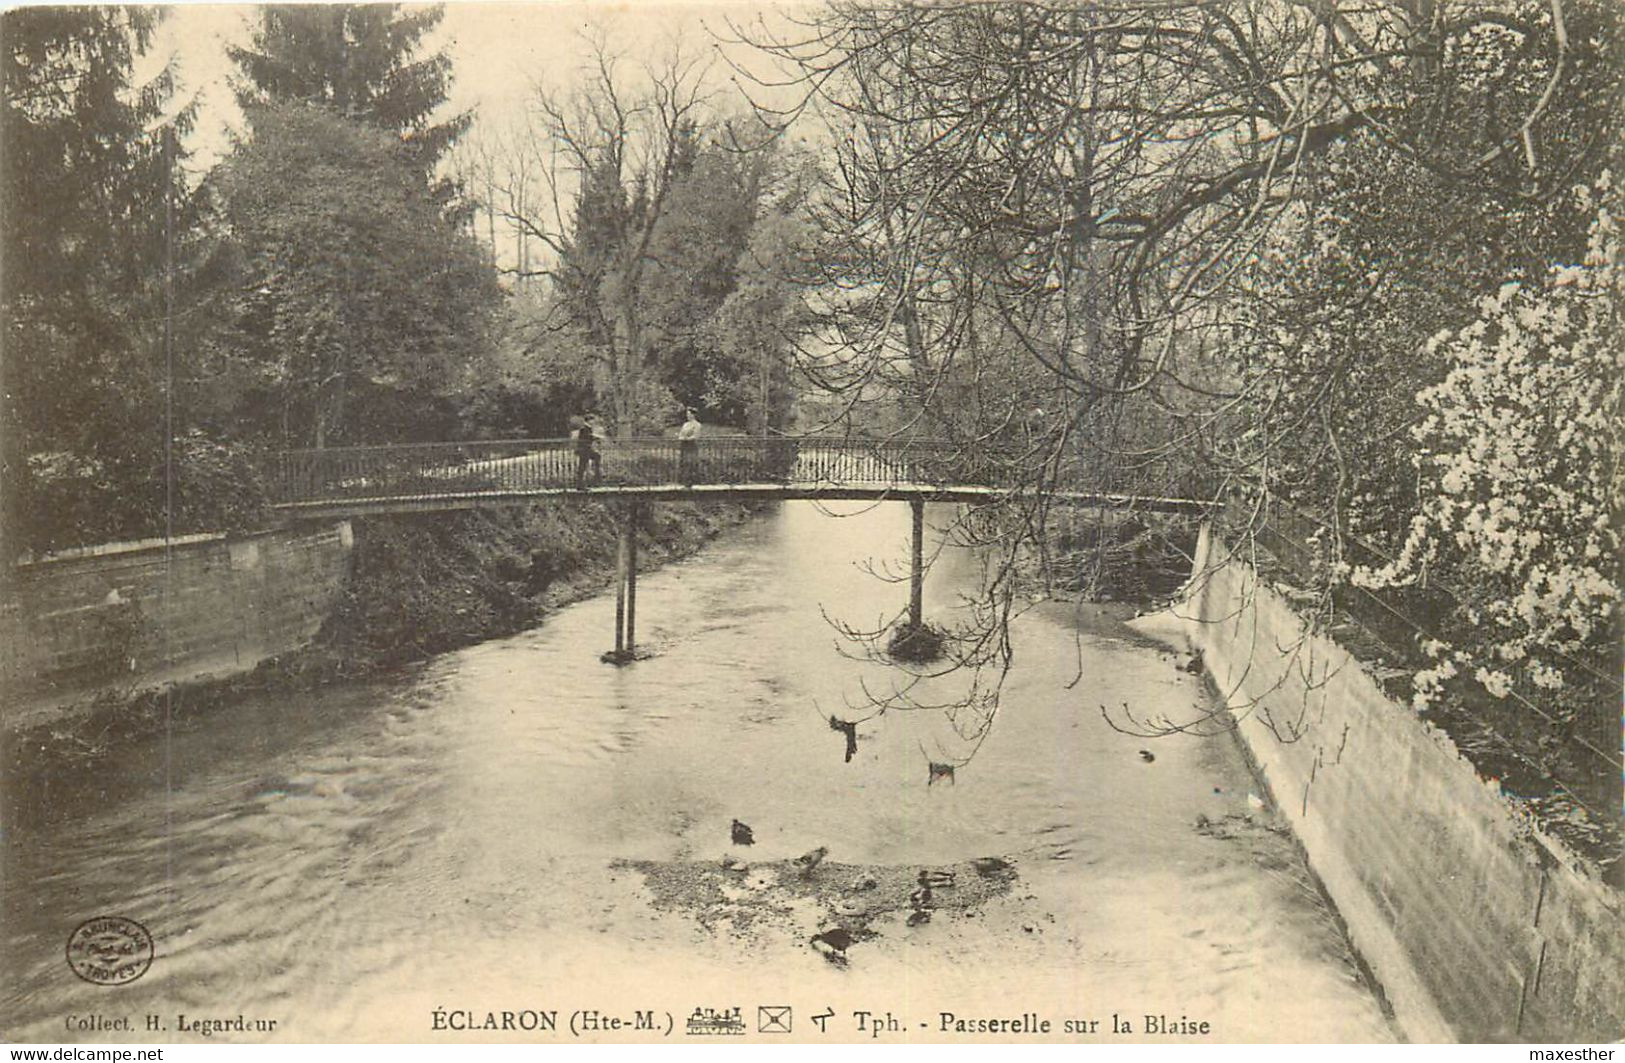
455 838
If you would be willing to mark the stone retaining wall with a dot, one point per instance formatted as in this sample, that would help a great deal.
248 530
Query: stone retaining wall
1479 927
126 617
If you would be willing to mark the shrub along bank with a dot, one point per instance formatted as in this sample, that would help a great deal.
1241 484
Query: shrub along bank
421 585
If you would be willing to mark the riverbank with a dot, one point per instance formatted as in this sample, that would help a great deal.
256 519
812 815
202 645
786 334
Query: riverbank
1107 556
423 585
416 586
1480 924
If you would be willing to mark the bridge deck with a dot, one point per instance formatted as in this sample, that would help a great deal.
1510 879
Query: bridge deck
358 481
900 492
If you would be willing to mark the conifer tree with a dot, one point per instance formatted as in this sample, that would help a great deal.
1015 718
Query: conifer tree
353 283
92 206
363 61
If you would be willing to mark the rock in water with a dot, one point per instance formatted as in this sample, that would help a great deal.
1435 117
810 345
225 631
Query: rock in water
988 866
742 834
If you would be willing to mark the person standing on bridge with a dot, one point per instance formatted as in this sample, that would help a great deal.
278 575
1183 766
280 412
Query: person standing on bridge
587 454
688 445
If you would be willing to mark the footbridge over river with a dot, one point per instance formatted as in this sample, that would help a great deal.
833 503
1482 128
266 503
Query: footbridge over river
340 482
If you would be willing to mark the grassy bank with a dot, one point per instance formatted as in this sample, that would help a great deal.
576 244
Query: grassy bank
418 585
422 585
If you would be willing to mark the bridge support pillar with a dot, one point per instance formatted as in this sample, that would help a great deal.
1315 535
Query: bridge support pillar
633 519
916 570
626 587
915 642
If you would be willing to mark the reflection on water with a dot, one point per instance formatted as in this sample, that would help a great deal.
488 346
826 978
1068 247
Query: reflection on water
349 861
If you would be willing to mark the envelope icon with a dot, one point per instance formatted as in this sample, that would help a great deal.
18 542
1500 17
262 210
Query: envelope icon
773 1018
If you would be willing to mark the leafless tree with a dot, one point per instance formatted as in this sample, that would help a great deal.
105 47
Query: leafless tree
582 183
1045 223
1083 183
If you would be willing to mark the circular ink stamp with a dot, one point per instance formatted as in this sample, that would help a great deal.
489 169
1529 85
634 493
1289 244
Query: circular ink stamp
110 950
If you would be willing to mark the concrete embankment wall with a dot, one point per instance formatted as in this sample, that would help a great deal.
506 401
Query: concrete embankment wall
1478 926
123 618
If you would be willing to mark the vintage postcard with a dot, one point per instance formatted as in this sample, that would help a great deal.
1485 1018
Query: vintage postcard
765 524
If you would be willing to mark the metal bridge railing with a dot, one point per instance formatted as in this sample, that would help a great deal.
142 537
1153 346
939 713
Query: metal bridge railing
335 476
427 470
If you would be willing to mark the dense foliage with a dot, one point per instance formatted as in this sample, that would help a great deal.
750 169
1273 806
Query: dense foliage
360 61
1521 466
349 278
162 329
90 194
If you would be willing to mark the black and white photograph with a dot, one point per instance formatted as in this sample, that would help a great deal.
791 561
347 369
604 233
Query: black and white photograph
818 522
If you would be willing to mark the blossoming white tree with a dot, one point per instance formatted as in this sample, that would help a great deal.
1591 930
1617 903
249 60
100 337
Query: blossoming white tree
1519 454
